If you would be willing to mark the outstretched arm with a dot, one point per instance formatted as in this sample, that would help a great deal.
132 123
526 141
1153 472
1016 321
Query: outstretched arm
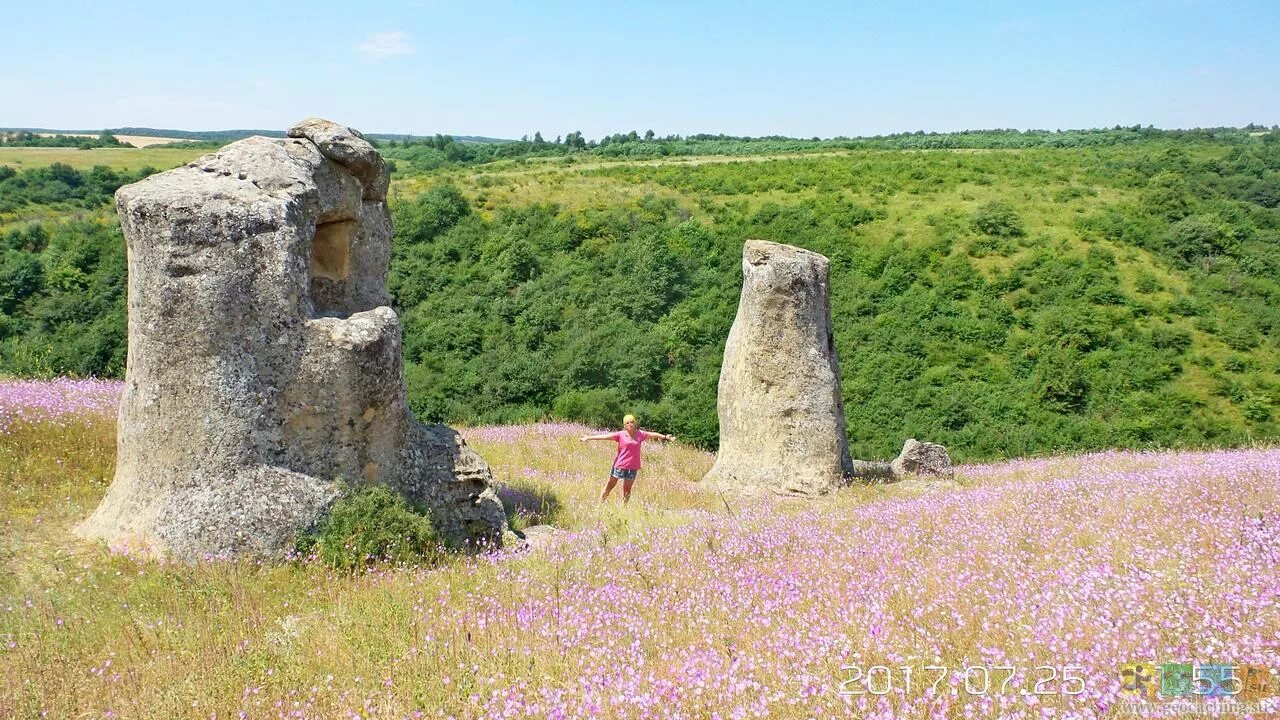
602 436
660 436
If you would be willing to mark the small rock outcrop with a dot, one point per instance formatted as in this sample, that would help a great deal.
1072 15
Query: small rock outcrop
871 472
264 366
537 537
781 413
922 458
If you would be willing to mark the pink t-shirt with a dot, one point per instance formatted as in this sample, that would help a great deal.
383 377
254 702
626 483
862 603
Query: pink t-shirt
628 449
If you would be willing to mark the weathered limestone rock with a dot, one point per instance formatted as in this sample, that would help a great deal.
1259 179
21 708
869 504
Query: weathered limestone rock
872 471
916 459
922 458
781 413
264 367
348 148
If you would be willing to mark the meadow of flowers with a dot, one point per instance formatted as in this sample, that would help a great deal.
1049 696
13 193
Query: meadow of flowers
684 604
58 402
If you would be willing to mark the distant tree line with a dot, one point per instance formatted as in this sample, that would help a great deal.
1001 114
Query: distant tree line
427 154
29 139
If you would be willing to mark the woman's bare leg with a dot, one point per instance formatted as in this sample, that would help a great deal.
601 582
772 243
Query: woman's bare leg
609 488
626 490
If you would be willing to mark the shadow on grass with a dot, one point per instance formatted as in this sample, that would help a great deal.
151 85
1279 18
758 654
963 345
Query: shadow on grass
526 505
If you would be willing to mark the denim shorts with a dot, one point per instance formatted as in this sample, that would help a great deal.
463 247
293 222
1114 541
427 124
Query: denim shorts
622 474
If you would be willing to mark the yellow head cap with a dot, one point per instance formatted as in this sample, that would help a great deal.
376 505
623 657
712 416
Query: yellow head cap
628 418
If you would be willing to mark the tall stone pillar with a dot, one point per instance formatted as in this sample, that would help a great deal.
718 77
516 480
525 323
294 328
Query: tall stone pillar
781 413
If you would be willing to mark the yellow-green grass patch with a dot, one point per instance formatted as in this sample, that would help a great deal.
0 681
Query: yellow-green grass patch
157 156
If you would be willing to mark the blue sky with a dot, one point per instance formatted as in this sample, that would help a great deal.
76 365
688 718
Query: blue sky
743 68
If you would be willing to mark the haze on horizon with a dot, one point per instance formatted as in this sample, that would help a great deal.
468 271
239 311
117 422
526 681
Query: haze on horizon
508 69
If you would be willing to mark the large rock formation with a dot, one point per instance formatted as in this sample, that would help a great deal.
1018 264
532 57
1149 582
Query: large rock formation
781 413
264 367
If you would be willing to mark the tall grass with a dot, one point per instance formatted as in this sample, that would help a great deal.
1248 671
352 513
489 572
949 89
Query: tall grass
683 604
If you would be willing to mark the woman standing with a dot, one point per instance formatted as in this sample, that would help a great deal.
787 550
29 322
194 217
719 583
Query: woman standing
627 461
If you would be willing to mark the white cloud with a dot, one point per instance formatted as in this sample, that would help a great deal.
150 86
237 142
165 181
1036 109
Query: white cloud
385 45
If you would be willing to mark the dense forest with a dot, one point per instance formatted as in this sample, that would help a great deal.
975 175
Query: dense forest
1018 293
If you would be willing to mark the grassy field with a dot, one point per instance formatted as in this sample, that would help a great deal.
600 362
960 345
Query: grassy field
156 156
879 175
919 192
684 604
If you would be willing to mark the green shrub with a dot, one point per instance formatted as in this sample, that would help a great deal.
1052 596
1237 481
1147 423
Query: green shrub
1170 337
372 525
1105 293
1199 237
601 407
1187 306
20 277
430 214
1236 363
1071 192
1167 196
1060 380
1147 283
999 219
990 245
1256 409
1231 388
1240 335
